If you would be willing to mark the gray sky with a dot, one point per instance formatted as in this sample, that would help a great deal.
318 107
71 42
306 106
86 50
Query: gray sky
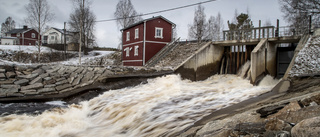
108 34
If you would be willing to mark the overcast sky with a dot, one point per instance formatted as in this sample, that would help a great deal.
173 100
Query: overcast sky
108 34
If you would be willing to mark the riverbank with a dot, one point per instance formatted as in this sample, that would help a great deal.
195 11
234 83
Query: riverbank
46 82
292 113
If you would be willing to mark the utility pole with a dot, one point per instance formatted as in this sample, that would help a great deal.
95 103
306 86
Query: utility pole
81 19
65 49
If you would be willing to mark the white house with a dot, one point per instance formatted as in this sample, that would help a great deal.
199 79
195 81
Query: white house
56 36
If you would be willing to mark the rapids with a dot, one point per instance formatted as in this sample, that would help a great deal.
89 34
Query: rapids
162 107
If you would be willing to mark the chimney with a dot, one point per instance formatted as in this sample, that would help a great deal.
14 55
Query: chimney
25 27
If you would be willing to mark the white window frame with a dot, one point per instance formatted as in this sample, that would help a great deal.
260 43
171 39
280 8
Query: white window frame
136 34
33 35
128 36
127 50
136 50
156 34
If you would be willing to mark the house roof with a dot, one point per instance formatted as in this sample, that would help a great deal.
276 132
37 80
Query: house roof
15 31
137 23
61 31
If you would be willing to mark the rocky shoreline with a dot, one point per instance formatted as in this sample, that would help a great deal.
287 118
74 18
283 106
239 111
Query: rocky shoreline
42 82
293 113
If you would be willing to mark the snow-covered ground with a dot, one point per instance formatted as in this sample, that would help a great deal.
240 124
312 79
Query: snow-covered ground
85 59
308 59
26 49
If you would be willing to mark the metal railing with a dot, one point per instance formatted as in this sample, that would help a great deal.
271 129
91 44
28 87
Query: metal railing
263 32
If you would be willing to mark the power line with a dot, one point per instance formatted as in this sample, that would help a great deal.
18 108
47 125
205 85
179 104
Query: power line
155 12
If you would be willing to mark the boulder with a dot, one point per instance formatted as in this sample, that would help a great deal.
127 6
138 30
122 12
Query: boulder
22 82
39 71
266 111
49 82
277 125
307 128
294 117
292 106
29 76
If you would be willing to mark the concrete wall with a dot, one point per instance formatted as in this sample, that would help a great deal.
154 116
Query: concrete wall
203 64
271 59
263 60
258 60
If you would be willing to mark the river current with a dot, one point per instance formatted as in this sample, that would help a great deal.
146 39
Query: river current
162 107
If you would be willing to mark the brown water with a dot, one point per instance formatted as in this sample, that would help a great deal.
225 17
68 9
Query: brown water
162 107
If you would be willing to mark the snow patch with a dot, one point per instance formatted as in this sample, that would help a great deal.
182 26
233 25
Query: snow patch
308 59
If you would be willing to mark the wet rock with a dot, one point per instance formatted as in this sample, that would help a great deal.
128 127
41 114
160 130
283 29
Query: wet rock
2 93
307 128
33 86
61 87
292 106
66 90
22 82
10 74
266 111
62 70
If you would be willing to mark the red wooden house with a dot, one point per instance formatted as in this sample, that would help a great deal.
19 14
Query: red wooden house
23 36
142 40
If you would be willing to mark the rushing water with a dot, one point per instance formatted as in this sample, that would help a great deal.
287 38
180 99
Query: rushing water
162 107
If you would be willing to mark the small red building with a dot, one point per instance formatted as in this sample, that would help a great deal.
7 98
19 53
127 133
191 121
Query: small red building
23 36
142 40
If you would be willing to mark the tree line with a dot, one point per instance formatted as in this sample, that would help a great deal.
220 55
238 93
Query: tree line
82 19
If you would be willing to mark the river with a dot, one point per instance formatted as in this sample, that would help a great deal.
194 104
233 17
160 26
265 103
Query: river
162 107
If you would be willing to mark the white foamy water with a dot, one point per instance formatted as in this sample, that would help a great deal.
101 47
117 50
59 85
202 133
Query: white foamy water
162 107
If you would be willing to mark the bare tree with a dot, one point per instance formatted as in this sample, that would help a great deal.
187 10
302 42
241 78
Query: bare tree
126 14
198 30
297 12
215 27
8 25
39 15
83 20
267 23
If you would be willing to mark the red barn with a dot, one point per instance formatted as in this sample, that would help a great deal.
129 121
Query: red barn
142 40
23 36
